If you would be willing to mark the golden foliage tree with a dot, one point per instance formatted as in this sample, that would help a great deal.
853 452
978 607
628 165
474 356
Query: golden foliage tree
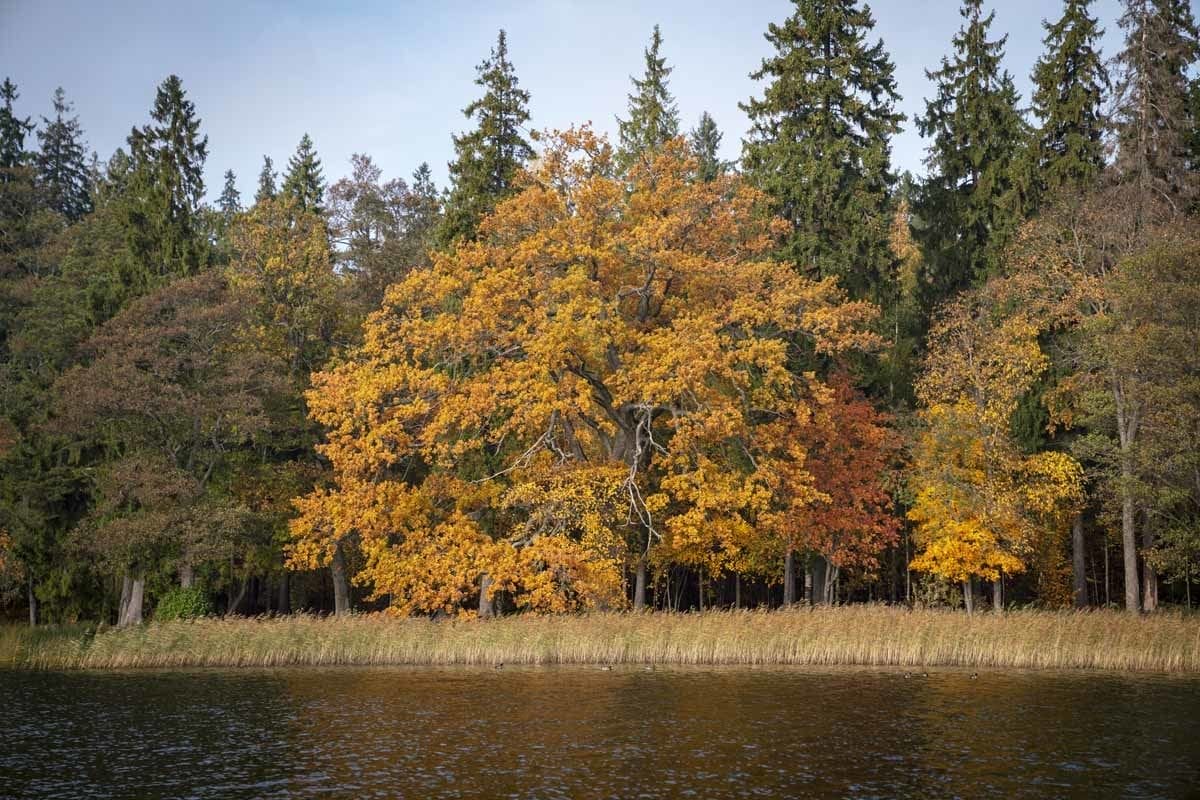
606 373
981 506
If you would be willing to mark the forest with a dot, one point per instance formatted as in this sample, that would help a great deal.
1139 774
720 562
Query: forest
609 375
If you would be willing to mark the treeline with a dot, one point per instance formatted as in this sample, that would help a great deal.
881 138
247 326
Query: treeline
605 375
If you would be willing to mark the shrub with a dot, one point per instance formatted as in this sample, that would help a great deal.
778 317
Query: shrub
183 604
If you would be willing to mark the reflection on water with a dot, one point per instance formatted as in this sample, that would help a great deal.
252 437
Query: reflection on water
577 732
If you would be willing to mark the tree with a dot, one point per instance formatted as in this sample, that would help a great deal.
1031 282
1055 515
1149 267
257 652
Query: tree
1069 84
653 117
266 181
230 201
62 166
284 270
706 144
384 229
602 374
13 131
487 158
851 454
983 508
304 183
972 202
1153 117
819 144
171 384
166 186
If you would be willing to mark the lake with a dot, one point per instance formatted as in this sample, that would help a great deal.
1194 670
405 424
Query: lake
579 732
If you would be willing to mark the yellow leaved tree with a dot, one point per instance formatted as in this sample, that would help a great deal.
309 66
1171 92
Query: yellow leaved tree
981 506
603 376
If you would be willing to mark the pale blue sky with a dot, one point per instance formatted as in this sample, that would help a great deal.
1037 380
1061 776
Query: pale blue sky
390 78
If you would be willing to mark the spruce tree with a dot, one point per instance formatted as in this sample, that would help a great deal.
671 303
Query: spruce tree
166 185
62 163
266 181
706 142
13 131
230 201
819 144
1069 82
487 158
1153 114
304 181
972 201
653 117
422 207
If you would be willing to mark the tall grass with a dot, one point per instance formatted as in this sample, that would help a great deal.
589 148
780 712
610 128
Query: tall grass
860 635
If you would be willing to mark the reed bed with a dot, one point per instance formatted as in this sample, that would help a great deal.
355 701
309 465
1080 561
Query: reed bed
851 635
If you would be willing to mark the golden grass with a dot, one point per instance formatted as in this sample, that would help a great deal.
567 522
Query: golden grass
851 635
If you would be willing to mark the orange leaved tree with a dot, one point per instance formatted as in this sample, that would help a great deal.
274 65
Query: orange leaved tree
605 372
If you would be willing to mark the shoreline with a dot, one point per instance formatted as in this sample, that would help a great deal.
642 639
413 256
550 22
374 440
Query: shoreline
862 636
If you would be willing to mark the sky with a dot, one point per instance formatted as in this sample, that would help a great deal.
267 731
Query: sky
390 79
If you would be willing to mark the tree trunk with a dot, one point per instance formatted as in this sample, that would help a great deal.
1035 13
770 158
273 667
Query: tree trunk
998 593
284 606
968 588
789 579
187 576
33 604
341 586
132 592
1077 558
737 590
639 585
1129 547
700 586
819 581
235 602
1149 577
487 607
832 574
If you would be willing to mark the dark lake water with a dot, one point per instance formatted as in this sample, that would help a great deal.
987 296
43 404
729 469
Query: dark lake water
578 732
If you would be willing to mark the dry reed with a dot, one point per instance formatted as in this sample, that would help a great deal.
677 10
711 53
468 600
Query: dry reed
851 635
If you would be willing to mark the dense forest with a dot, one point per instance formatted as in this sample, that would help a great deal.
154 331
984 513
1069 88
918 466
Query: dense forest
595 374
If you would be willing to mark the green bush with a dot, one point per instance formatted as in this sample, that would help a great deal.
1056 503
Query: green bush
183 604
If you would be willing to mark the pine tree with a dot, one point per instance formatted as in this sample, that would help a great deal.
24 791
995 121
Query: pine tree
62 162
304 182
972 201
266 181
230 201
819 144
13 131
163 200
488 157
1153 115
706 143
653 117
1069 83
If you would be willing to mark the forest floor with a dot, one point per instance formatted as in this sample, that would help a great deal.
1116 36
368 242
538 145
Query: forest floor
849 635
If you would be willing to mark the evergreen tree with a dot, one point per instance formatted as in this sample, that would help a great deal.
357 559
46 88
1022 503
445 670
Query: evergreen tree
230 201
653 117
304 182
706 142
423 207
167 185
1069 82
62 162
1153 115
13 131
266 181
972 201
819 145
488 157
